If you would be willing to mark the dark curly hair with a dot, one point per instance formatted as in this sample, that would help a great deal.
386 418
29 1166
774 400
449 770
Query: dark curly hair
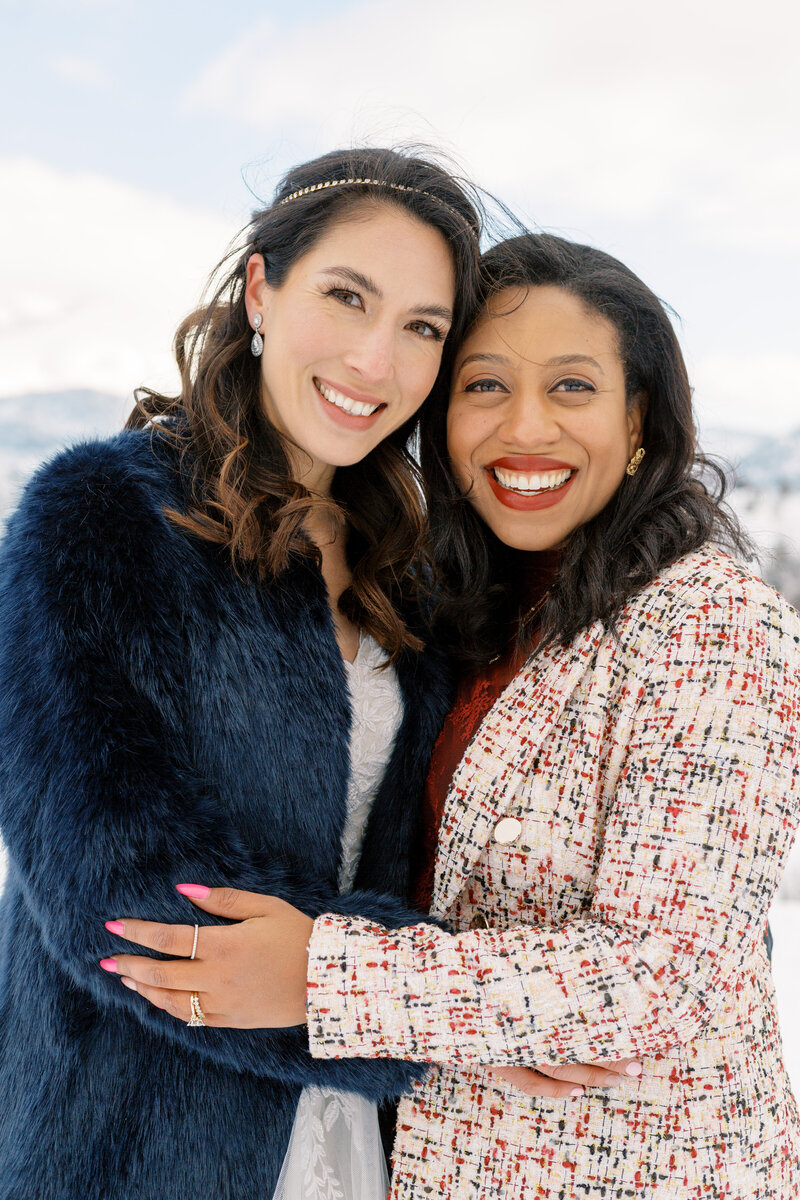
242 494
671 506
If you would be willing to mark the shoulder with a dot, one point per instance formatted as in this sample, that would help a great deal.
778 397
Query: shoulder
705 580
123 476
93 518
711 599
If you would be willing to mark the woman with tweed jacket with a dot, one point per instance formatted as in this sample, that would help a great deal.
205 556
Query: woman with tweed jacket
615 791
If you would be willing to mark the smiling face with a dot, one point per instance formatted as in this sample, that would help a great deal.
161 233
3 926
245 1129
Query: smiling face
538 430
353 337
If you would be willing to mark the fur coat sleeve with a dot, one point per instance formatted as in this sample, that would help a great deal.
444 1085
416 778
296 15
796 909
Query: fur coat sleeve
139 684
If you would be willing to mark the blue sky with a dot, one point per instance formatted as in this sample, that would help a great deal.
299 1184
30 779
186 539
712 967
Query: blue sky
667 135
96 85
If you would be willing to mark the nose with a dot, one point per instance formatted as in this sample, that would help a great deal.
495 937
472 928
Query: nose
372 353
529 421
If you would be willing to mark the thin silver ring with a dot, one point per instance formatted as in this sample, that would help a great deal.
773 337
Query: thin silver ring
194 943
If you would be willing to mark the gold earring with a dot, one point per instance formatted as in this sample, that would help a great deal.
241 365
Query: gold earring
633 465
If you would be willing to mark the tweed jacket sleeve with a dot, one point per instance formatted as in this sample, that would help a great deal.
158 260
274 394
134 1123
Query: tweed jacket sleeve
693 718
102 806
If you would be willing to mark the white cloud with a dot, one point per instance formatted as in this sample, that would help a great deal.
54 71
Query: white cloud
97 276
619 108
747 391
86 72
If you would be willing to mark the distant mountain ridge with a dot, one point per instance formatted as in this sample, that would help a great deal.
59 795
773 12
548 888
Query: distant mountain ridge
766 498
35 425
772 465
51 419
766 469
761 462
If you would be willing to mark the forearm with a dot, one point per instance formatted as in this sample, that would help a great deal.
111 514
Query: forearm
520 996
678 909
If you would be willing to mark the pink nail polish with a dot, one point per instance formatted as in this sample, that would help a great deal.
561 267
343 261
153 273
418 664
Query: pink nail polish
633 1069
115 927
576 1091
108 964
129 983
195 891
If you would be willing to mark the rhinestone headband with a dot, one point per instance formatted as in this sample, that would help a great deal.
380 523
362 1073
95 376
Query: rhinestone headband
396 187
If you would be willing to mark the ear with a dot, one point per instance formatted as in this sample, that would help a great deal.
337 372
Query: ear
636 415
256 290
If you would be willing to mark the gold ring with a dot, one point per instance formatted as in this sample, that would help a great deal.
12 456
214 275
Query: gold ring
197 1017
194 943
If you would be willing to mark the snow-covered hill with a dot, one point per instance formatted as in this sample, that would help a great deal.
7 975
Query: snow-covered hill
771 464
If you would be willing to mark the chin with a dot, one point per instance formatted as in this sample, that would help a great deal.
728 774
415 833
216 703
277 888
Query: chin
350 460
530 543
523 533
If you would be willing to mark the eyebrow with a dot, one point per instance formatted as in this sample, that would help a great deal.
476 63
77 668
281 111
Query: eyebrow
369 285
560 360
565 360
499 360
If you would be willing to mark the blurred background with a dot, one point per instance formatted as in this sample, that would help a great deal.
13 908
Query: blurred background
136 139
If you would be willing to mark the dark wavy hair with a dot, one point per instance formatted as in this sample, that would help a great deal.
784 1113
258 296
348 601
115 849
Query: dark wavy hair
671 506
241 492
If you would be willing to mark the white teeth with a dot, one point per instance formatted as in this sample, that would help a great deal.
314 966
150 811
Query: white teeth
355 407
543 482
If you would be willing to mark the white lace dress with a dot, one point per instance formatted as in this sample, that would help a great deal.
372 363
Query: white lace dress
335 1152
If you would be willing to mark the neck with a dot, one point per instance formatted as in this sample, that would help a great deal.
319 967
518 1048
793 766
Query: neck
321 523
324 526
312 474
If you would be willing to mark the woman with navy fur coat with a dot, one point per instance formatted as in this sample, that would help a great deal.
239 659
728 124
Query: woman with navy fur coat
178 608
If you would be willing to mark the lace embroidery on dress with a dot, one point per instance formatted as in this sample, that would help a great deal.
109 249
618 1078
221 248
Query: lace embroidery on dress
335 1150
377 707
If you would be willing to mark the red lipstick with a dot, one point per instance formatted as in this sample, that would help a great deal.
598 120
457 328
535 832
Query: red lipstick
528 464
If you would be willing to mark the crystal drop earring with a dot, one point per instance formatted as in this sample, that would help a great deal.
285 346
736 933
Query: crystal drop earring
257 343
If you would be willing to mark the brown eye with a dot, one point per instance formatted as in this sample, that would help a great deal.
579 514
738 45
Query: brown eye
345 296
574 385
573 391
426 330
485 385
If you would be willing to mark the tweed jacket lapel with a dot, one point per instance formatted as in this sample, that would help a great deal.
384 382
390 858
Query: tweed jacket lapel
499 756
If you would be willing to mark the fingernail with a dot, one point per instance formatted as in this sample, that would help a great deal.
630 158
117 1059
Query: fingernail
115 927
576 1092
195 891
633 1069
108 964
129 983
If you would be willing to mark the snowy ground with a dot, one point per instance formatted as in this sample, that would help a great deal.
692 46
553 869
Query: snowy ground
785 923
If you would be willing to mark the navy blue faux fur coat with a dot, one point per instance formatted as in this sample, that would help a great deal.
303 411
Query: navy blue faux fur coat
162 721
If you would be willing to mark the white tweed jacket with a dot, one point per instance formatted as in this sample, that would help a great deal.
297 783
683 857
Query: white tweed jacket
608 852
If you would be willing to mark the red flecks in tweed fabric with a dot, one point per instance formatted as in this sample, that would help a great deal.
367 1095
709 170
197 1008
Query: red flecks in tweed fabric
655 779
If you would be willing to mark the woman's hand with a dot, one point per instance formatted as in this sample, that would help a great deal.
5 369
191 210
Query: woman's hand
558 1080
251 975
